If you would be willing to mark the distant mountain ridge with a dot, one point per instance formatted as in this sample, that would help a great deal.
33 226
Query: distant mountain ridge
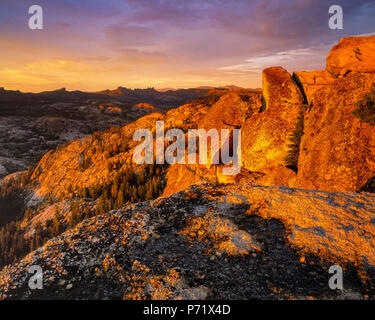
46 119
170 98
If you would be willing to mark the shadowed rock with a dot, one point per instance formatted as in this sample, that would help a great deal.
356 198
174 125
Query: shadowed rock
210 242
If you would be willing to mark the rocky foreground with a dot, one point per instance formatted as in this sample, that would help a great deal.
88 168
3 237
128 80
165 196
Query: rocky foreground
211 242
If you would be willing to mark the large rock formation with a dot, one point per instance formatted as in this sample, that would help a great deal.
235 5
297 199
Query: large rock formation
337 151
352 54
63 171
265 132
229 112
84 163
265 135
210 242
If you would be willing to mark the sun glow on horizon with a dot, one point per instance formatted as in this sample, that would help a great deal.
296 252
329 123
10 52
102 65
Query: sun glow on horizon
92 46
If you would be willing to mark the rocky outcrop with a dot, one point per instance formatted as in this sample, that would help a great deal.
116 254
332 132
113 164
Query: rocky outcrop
337 151
69 175
85 162
144 106
181 176
210 242
231 110
29 132
265 135
277 176
312 81
352 54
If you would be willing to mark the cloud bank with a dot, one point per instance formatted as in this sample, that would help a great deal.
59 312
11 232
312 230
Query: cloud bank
97 44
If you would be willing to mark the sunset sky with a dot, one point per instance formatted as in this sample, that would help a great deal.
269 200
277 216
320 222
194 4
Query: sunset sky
98 44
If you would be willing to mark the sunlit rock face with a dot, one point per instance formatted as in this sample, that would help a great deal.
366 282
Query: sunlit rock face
277 176
352 54
210 242
265 135
265 129
61 170
181 176
231 110
311 81
337 151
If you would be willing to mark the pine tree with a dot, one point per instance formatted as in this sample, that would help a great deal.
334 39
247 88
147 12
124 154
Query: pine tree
149 194
38 235
56 224
120 199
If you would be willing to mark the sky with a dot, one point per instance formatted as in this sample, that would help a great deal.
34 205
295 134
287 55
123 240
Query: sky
93 45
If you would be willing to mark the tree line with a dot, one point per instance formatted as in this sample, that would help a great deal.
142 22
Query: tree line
126 187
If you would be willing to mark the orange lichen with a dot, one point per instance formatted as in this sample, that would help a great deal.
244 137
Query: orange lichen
221 233
110 264
144 284
334 226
